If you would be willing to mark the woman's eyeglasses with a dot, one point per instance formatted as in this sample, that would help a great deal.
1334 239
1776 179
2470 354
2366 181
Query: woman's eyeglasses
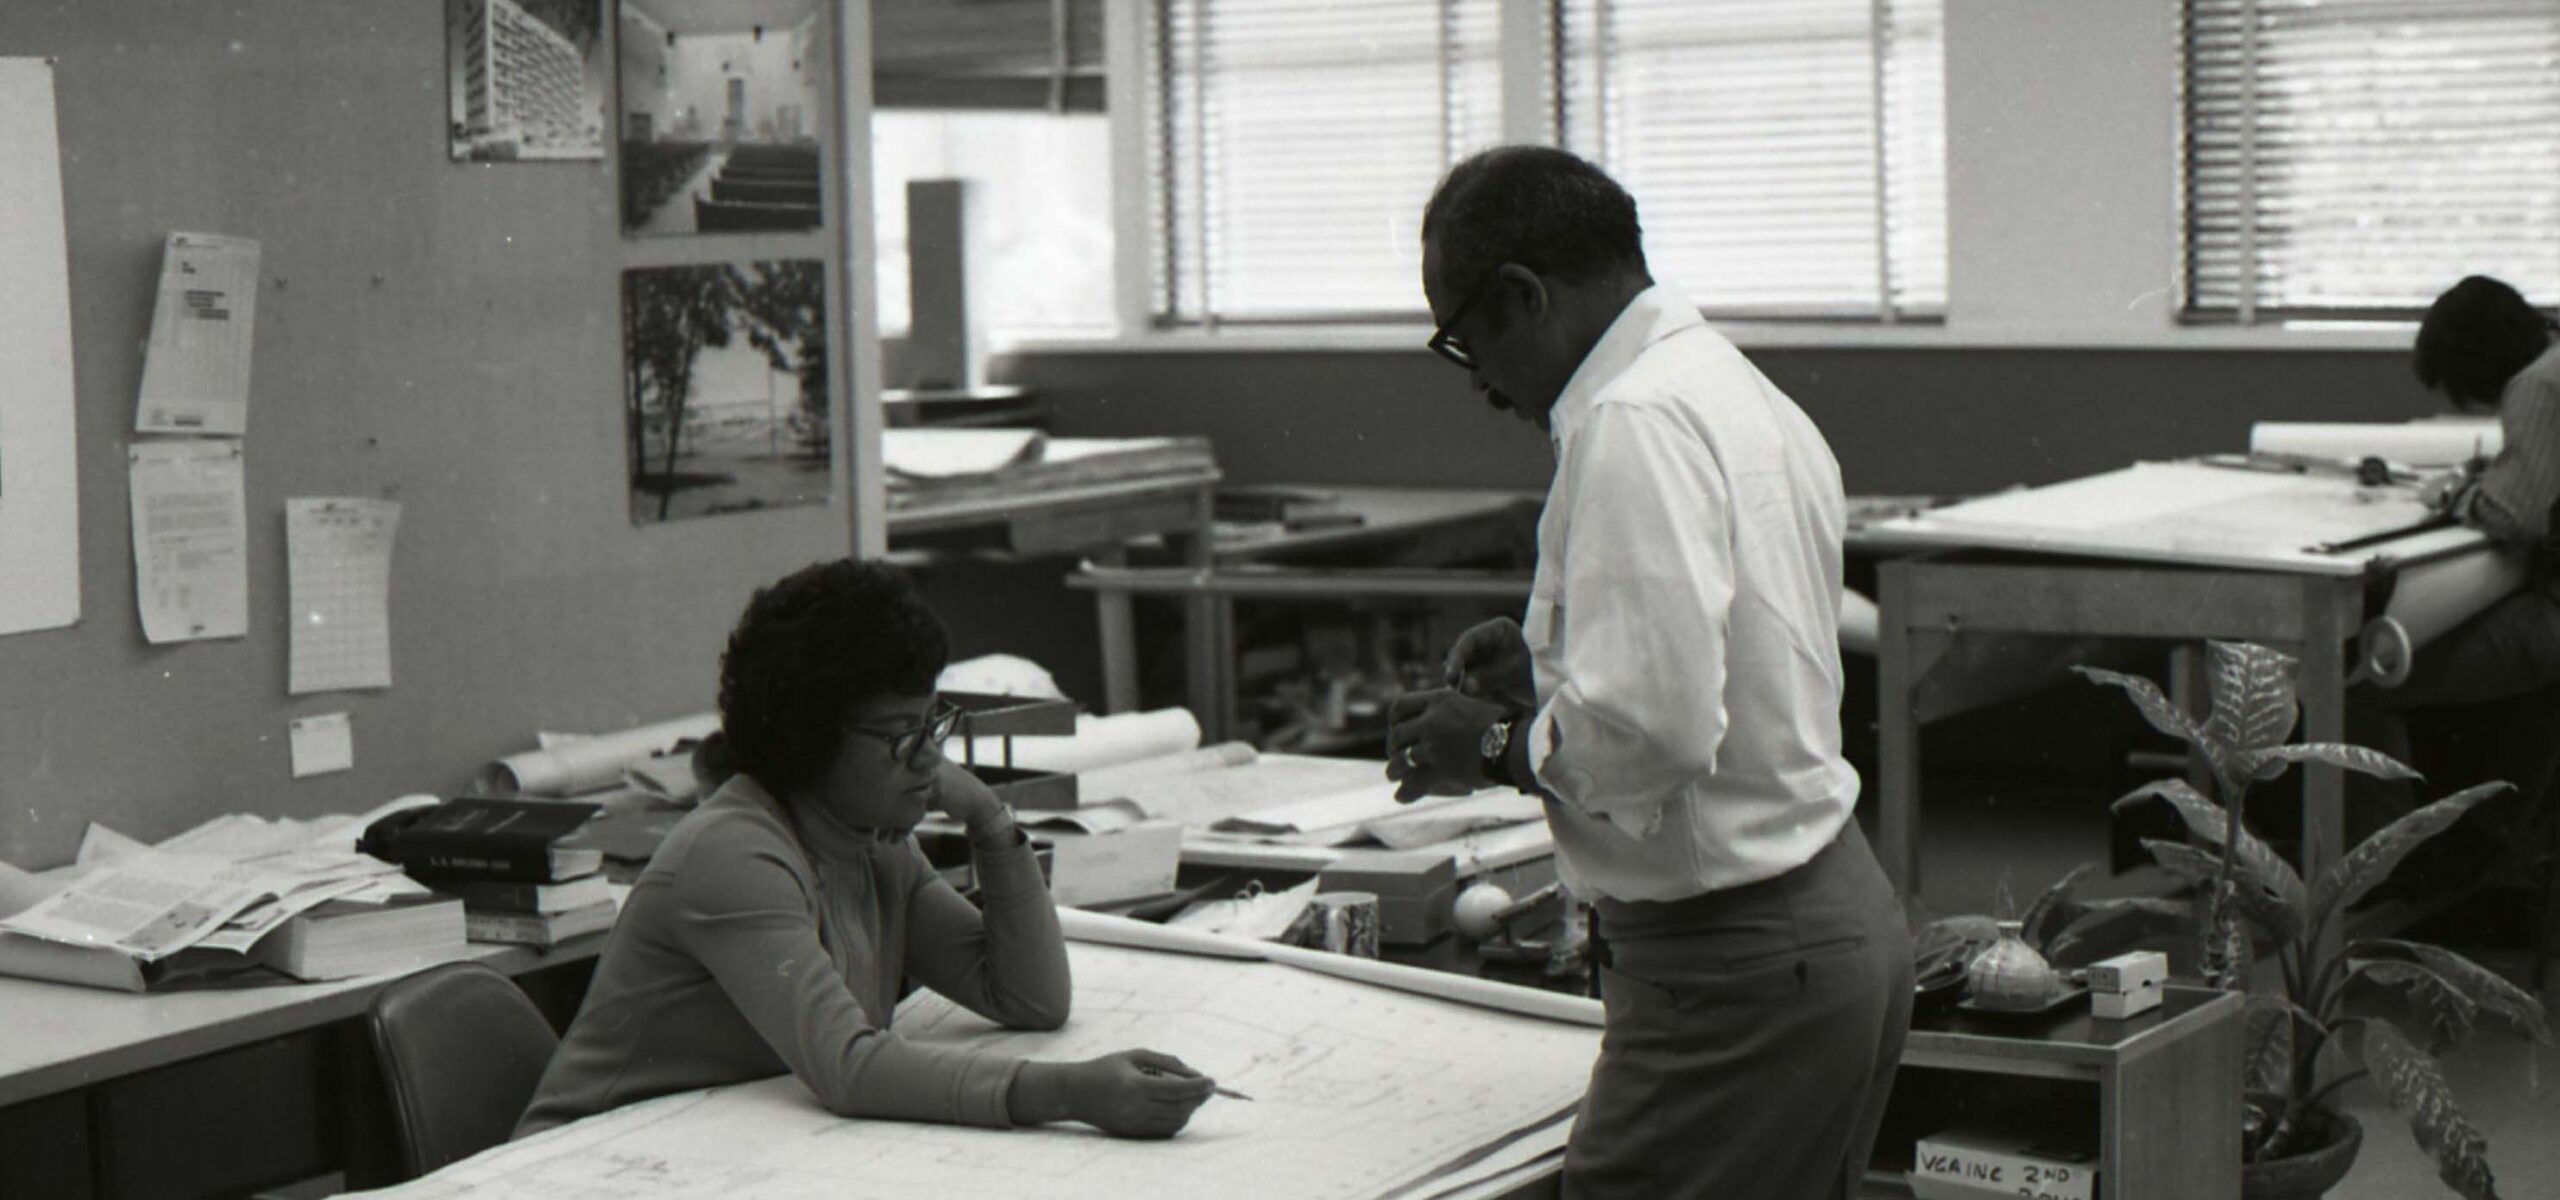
907 745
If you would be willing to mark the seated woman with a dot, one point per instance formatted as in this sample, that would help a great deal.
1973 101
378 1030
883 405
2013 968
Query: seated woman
772 928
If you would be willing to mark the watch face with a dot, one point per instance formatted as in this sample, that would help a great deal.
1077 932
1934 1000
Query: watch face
1497 738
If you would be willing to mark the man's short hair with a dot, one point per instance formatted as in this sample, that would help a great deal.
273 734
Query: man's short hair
811 649
2476 336
1537 206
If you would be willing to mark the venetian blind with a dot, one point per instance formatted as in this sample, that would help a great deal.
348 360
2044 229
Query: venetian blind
1296 142
2353 158
1788 157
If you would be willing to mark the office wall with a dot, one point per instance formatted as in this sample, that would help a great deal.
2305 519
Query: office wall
442 335
1950 421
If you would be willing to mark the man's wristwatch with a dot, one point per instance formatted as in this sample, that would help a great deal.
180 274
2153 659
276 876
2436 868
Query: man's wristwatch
1493 752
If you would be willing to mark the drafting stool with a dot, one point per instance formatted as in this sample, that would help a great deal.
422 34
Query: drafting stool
461 1049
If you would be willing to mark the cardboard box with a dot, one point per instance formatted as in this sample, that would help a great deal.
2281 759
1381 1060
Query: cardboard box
1105 868
1414 892
1969 1164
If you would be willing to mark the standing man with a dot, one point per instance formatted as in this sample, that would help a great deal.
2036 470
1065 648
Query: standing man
1675 698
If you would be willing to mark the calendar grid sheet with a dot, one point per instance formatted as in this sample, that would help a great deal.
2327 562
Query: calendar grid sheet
339 576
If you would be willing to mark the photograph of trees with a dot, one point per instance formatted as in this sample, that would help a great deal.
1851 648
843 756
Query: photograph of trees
725 387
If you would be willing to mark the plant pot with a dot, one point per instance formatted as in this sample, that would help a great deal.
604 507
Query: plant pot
2334 1137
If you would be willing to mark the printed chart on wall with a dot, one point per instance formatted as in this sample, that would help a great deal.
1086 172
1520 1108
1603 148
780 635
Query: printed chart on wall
338 572
39 480
190 539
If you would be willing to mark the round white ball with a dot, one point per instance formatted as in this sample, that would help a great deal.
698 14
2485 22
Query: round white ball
1475 909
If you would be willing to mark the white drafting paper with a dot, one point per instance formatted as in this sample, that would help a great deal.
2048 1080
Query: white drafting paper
568 765
323 743
2430 443
338 569
1357 1091
190 540
39 475
195 369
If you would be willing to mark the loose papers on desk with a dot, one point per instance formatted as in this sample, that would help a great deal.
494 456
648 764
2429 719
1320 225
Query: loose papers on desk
195 368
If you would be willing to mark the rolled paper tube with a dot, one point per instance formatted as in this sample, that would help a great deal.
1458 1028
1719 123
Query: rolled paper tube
1097 742
2428 601
587 763
2416 443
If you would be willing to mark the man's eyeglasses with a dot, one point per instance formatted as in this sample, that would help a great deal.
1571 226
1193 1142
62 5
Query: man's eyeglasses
907 745
1449 345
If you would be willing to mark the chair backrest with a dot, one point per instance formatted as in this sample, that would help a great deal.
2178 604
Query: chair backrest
461 1049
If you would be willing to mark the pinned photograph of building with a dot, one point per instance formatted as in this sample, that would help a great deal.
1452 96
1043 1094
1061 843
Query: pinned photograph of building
725 387
718 112
525 79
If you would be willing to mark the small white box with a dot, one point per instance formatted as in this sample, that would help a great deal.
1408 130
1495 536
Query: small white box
2129 972
2127 984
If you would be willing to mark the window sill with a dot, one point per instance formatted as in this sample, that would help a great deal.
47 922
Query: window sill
1761 335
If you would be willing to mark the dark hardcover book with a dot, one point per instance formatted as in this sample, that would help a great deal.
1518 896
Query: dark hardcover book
479 838
514 895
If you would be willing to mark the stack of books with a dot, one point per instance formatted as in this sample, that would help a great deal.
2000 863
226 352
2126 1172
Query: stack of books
504 860
352 936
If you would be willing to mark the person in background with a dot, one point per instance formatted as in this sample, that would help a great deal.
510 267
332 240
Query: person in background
773 928
1675 699
2482 701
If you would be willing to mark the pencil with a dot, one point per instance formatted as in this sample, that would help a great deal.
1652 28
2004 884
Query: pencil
1214 1090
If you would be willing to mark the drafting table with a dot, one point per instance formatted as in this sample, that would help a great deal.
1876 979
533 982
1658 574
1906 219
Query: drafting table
1093 514
192 1093
2175 551
1402 547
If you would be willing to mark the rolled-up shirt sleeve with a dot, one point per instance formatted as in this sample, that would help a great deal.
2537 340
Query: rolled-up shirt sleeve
755 931
2511 500
1637 712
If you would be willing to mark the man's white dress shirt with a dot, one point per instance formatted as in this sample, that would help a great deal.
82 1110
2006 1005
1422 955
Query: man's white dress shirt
1684 622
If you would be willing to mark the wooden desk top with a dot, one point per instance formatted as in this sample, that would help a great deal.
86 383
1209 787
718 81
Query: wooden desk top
2076 1037
62 1036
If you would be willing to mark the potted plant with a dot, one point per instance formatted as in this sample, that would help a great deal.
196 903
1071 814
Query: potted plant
2334 1015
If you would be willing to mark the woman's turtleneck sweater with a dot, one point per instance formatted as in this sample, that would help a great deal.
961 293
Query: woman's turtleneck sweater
737 958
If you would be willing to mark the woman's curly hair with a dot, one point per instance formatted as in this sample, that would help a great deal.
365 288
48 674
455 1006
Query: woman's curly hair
810 649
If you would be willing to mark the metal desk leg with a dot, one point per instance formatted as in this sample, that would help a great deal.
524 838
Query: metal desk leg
1203 672
1897 734
2330 611
1112 610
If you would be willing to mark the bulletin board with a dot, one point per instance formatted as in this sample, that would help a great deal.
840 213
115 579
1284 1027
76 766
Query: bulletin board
440 334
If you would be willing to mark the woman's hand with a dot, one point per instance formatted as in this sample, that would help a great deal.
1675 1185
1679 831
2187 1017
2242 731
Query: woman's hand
1132 1094
967 799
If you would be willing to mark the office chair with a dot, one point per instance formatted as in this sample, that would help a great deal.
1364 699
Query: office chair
461 1050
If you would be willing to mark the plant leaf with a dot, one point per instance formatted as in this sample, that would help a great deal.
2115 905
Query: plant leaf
2253 695
2198 866
2053 906
2449 1013
2512 1006
2110 927
2270 761
2156 706
2417 1088
2267 1065
2255 862
2373 859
